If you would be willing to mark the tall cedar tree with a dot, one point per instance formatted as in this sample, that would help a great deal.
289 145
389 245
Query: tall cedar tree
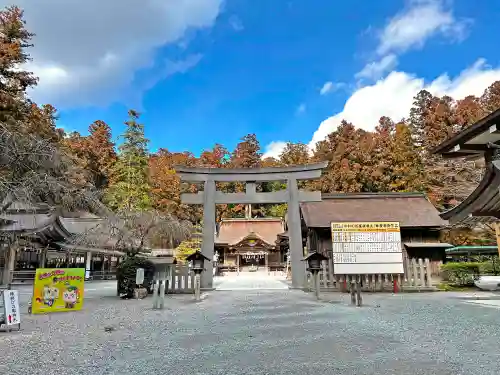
349 152
95 153
247 154
166 185
129 188
15 40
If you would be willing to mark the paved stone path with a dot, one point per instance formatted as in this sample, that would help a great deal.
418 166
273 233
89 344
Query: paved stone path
250 281
269 332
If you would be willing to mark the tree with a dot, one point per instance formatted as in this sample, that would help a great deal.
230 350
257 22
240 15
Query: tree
349 152
14 42
95 153
190 245
295 154
135 232
468 111
490 100
101 153
33 168
166 186
432 120
247 153
218 157
129 188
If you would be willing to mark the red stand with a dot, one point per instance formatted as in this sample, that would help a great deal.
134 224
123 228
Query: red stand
395 286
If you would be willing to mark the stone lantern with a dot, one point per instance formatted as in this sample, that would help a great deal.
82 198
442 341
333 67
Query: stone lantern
314 266
198 261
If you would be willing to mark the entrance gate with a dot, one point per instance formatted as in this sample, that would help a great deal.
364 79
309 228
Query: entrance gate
209 197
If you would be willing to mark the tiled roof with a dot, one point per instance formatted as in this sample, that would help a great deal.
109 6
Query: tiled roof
233 231
409 209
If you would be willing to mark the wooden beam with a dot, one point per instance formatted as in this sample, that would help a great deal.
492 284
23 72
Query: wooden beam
470 147
486 213
454 155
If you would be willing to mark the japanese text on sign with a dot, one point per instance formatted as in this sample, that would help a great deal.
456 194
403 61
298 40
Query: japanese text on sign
11 307
367 248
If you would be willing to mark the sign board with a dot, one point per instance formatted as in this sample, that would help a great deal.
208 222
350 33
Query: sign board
12 313
139 276
367 248
58 289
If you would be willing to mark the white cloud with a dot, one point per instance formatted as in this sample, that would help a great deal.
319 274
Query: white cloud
274 149
327 87
301 108
422 20
235 23
393 96
376 69
87 52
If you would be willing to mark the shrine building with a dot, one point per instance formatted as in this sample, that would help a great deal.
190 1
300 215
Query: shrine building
250 243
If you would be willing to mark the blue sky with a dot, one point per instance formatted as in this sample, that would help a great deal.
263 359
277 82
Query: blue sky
210 71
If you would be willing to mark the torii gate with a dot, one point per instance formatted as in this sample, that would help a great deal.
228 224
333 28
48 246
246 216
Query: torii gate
292 196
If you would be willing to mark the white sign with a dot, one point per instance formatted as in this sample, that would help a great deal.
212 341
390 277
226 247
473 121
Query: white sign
367 248
11 307
139 276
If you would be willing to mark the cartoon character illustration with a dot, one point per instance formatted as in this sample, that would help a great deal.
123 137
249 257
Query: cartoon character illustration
50 294
70 297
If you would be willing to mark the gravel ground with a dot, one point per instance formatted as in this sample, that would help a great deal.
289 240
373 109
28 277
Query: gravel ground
267 332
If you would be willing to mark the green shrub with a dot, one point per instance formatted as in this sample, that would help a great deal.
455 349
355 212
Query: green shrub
126 272
461 273
489 267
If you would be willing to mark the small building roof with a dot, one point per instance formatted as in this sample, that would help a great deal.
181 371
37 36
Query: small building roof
472 141
472 250
232 231
427 245
409 209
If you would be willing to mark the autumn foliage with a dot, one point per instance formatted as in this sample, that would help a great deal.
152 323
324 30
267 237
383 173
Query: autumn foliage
394 157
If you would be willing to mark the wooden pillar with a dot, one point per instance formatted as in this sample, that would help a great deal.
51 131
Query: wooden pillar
43 257
497 233
10 264
238 263
66 259
266 262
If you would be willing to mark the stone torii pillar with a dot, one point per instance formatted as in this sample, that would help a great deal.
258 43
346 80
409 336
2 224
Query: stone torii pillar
292 196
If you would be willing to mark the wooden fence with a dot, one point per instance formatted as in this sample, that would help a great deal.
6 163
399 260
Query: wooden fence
420 274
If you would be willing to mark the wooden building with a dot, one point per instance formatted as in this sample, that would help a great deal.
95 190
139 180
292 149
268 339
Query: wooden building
250 243
419 220
36 236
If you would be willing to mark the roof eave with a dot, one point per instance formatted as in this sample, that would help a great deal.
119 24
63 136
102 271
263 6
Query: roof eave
473 204
468 133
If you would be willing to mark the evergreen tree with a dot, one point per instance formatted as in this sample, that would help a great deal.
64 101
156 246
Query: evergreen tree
129 188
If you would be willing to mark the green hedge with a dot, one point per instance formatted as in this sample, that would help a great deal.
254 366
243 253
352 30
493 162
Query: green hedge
464 273
126 272
461 273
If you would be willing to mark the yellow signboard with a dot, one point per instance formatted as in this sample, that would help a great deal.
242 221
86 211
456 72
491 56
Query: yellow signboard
58 289
385 226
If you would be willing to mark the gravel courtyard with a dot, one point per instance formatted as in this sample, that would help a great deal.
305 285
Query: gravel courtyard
266 332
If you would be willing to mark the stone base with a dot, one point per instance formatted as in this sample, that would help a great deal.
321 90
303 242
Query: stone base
140 293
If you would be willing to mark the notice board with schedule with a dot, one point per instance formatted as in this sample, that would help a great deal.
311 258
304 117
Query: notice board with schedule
367 248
